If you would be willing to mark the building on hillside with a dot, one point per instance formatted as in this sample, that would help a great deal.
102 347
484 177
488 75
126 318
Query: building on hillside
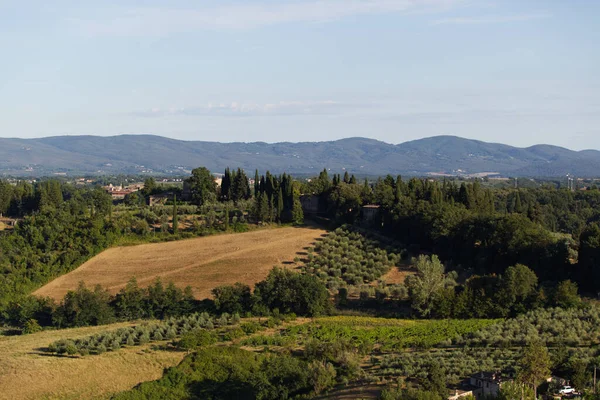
310 204
488 384
119 192
370 214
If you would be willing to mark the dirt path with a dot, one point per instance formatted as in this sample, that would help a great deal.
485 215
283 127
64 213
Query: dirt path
202 263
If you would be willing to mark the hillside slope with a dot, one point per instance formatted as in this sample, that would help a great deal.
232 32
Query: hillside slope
202 263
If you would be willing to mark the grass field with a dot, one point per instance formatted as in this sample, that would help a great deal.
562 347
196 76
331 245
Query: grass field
27 373
202 263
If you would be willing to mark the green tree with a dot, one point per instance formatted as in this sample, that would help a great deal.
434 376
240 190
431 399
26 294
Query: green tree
436 380
566 295
202 186
175 216
232 299
589 254
279 210
129 302
290 292
31 326
83 307
518 285
534 366
6 194
149 186
321 376
428 283
580 377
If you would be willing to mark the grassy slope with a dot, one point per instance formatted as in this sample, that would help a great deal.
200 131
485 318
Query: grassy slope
202 263
26 373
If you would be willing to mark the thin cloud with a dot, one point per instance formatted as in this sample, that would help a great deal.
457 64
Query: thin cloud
255 110
494 19
243 15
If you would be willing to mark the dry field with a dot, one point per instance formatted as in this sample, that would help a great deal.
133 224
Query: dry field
202 263
397 275
26 373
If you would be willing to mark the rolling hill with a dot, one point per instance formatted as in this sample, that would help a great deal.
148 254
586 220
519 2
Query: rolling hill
147 153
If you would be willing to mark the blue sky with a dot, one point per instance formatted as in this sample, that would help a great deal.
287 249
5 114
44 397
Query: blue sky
519 72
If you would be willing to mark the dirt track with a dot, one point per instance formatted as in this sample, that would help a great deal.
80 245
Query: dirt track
202 263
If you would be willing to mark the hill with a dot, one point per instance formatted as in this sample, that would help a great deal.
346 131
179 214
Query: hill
202 263
147 153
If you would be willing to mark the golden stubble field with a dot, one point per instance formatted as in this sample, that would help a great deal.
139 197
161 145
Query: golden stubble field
27 373
202 263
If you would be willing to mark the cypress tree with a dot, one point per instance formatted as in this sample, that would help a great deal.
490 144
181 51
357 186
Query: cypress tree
264 207
256 183
175 216
518 205
346 177
226 185
279 204
352 180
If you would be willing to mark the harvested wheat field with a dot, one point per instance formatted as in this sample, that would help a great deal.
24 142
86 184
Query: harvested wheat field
26 373
202 263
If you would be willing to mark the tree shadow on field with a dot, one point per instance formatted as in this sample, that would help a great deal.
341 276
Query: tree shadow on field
42 351
11 332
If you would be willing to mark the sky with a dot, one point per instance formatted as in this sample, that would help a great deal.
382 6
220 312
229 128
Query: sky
519 72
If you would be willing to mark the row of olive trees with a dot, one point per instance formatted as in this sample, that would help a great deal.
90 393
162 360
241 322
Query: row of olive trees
169 329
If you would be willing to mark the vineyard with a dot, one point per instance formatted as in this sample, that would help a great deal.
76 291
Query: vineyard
348 256
383 334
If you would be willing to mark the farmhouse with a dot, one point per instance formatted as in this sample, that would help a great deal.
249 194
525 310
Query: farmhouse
370 213
119 192
310 204
488 384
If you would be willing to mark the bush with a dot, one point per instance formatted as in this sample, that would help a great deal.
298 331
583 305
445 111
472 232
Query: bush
31 326
195 339
233 334
251 327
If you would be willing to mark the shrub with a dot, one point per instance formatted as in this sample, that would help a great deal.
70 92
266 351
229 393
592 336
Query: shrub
233 334
195 339
251 327
31 326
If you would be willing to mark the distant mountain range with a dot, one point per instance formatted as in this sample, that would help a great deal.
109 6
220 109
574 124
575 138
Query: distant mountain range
451 155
